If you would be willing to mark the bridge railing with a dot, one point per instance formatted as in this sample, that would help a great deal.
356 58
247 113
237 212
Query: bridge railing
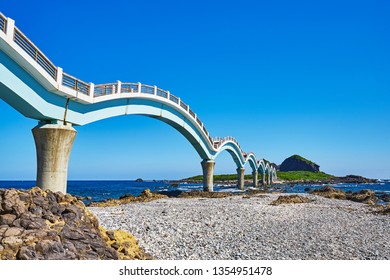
3 22
129 87
114 88
98 90
22 41
75 84
104 89
218 142
174 99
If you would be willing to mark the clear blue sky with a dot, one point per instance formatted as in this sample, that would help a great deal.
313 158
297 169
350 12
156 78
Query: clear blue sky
282 77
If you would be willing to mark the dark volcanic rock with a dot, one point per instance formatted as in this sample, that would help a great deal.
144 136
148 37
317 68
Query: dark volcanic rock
39 224
354 179
298 163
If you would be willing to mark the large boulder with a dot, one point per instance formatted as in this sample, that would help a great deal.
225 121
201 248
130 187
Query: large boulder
39 224
298 163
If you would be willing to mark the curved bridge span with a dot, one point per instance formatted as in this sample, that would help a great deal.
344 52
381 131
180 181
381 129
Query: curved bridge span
38 89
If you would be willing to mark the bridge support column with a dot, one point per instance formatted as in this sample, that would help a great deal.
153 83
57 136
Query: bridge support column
208 175
53 144
241 173
263 179
255 176
269 179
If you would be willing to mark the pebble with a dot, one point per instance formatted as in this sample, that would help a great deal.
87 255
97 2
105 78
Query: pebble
235 228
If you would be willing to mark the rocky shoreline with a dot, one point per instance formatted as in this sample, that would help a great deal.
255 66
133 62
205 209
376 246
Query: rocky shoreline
37 224
349 179
254 227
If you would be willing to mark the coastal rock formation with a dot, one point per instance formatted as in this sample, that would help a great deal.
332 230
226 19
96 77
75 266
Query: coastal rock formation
353 179
287 199
145 196
330 192
363 196
39 224
298 163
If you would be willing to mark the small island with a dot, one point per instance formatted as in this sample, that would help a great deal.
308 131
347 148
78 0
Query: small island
293 170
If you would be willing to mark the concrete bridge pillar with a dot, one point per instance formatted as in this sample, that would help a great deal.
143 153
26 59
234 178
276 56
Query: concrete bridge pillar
241 173
53 144
269 179
263 182
255 176
208 175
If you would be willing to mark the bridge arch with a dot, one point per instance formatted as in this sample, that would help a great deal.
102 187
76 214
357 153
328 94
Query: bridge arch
251 159
38 89
234 150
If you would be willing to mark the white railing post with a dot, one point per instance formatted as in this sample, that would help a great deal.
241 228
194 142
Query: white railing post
10 30
91 89
139 88
155 90
188 109
168 95
178 101
60 72
118 87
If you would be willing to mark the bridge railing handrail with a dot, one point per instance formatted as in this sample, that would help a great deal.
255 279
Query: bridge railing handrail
3 22
104 89
129 87
98 90
112 88
22 41
75 84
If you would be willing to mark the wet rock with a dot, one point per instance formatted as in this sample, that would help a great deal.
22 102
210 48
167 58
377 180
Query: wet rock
384 197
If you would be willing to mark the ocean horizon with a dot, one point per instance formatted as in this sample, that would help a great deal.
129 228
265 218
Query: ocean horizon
99 190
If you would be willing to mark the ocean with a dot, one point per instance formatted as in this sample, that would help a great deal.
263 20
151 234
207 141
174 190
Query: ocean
102 190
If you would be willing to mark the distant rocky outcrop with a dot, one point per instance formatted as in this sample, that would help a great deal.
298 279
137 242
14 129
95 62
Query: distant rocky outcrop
363 196
298 163
37 224
145 196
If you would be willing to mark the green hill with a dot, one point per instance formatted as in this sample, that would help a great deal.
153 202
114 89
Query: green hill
286 176
302 175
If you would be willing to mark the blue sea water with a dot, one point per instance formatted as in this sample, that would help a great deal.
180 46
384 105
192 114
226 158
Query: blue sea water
101 190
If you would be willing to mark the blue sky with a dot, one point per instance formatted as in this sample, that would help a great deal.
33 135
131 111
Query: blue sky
282 77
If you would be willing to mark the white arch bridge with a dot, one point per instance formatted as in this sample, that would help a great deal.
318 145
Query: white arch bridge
38 89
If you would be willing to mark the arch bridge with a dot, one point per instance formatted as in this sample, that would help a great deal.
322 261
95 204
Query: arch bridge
38 89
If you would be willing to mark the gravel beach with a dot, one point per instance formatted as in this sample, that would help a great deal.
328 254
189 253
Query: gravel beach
250 228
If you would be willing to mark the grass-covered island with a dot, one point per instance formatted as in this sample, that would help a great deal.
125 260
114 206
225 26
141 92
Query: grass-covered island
307 177
294 169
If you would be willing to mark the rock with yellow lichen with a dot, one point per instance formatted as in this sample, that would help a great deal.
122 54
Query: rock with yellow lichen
37 224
